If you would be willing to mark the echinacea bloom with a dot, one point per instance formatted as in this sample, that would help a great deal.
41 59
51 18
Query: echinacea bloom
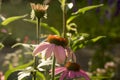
39 9
71 71
55 45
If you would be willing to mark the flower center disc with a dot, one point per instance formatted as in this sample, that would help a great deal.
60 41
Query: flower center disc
57 40
72 66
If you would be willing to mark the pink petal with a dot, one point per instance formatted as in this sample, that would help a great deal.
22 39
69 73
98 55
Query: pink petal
49 50
63 76
40 48
59 70
83 74
70 54
60 54
71 74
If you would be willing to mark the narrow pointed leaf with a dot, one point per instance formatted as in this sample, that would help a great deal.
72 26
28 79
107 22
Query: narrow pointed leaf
52 29
97 38
11 19
83 10
71 18
30 46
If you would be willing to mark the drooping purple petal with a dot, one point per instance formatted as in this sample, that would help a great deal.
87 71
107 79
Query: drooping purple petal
58 70
71 75
49 50
60 54
40 48
70 54
63 76
83 73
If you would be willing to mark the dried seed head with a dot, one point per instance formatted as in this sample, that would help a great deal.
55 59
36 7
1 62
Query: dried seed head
39 9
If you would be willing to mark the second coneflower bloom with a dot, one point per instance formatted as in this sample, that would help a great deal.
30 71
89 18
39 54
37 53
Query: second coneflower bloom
55 45
39 10
71 71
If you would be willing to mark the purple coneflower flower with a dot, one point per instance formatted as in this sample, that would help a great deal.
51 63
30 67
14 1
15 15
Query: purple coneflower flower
71 71
55 45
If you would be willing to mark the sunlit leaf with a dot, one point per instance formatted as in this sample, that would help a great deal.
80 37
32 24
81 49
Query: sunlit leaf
40 76
71 18
52 29
30 46
17 68
83 10
11 19
97 38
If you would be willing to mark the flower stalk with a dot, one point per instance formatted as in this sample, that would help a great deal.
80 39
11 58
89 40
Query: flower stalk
64 23
53 68
38 28
64 19
38 39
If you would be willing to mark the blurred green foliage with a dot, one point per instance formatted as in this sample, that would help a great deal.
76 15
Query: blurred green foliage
94 22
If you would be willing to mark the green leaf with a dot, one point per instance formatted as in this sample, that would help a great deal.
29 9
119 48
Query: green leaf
83 10
29 20
40 76
17 68
71 18
29 46
11 19
97 38
52 29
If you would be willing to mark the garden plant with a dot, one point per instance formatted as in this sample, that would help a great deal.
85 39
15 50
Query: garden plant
54 54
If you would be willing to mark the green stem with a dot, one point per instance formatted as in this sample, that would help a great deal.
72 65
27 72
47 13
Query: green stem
38 39
38 30
53 68
64 23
